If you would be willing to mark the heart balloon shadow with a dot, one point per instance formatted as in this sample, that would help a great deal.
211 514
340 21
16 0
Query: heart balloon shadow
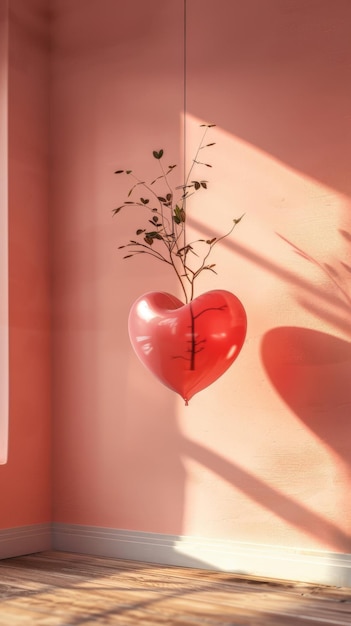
311 372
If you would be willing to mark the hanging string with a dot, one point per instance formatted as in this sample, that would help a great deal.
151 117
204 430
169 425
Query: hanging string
184 81
184 99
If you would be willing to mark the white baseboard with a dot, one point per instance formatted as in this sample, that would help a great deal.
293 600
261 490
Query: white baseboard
314 566
25 540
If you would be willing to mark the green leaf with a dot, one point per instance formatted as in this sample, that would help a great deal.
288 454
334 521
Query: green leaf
177 211
119 172
118 209
161 199
238 219
155 219
144 200
204 184
196 184
153 233
158 155
211 241
140 231
157 178
149 240
179 215
128 171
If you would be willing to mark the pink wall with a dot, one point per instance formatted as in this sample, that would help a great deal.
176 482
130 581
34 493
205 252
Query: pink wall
116 96
25 481
3 235
263 455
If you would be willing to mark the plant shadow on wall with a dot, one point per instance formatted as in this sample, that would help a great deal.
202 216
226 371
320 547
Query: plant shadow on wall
311 369
338 313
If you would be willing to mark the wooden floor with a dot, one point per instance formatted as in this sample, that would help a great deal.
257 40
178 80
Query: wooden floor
58 588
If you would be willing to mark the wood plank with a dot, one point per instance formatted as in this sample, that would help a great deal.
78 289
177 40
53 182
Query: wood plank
56 588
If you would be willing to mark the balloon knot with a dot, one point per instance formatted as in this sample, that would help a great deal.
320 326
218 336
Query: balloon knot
186 402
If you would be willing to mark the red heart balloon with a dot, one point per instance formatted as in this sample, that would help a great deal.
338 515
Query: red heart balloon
187 346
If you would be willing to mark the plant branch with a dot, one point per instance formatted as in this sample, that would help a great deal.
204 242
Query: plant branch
169 221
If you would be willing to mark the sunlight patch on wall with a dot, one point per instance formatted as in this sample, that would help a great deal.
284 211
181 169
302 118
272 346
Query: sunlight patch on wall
273 196
287 261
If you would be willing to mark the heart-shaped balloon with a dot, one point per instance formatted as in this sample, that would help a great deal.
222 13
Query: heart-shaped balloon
187 346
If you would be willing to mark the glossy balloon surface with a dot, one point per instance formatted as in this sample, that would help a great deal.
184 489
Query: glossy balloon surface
187 346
